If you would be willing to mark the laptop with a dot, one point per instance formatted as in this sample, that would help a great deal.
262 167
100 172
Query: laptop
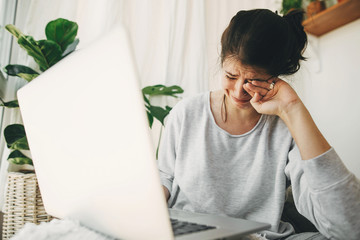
93 155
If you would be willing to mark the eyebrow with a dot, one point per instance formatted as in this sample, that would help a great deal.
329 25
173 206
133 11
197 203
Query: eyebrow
232 74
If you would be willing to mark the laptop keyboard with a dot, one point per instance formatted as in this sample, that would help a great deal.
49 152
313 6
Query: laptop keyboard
180 227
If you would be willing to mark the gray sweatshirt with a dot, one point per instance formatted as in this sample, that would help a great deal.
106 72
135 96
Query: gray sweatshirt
208 170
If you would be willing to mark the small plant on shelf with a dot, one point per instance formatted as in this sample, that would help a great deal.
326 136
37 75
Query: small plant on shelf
287 5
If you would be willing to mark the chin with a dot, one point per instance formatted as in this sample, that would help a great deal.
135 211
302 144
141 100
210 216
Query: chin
243 105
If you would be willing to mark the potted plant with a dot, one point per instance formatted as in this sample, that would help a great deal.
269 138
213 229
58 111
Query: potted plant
61 41
23 201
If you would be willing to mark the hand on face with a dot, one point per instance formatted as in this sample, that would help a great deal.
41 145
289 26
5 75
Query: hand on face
271 100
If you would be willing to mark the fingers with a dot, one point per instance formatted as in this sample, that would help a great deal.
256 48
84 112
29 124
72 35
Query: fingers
262 88
268 85
256 98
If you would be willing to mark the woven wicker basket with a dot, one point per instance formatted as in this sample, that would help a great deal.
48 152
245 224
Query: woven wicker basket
23 203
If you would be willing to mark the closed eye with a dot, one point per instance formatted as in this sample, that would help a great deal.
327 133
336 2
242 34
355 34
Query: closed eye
230 78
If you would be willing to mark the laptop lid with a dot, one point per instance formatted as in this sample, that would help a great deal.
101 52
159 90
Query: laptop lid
88 134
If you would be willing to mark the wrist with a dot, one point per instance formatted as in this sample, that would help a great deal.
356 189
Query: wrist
291 110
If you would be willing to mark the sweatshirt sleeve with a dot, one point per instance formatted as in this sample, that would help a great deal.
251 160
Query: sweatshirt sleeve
167 150
326 193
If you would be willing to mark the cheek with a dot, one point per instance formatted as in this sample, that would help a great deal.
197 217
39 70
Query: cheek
225 83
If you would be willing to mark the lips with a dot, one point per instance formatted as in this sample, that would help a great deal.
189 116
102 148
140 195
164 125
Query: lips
241 100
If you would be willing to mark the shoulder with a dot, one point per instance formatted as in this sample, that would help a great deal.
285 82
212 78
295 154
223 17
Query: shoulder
188 108
192 103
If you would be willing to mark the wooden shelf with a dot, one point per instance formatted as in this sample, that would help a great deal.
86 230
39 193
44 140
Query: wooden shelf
333 17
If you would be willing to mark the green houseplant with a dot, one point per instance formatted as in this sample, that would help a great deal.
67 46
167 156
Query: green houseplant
156 111
60 41
22 191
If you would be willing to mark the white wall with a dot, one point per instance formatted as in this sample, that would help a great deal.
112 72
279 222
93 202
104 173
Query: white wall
329 84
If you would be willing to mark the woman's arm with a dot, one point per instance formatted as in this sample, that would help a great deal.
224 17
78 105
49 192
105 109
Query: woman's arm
324 190
307 136
166 192
283 101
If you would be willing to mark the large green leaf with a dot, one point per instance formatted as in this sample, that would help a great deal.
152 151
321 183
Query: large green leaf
28 77
14 30
17 157
159 113
21 71
150 118
21 144
162 90
51 51
15 137
45 52
30 45
61 31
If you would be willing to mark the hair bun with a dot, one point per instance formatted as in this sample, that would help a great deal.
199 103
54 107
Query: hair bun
294 19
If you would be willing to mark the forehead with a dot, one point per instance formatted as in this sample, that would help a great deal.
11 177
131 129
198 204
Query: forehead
236 67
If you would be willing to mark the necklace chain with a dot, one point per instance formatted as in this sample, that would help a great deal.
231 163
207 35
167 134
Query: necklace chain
223 110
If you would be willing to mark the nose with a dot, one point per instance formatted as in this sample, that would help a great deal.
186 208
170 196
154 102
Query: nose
239 90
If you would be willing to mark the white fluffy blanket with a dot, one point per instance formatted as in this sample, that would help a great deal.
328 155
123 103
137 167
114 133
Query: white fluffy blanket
70 230
58 229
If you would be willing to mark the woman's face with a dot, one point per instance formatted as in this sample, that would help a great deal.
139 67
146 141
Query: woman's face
235 75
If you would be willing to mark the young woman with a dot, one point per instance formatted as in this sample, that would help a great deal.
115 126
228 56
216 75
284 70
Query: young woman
236 150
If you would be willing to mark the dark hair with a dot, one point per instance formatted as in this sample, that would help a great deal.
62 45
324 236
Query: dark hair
266 40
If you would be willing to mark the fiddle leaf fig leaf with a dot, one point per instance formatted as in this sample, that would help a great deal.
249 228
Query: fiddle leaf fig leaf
61 31
15 137
21 71
21 144
17 157
51 51
14 31
45 52
30 45
28 77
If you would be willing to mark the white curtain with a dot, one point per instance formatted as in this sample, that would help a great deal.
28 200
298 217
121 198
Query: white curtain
174 41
